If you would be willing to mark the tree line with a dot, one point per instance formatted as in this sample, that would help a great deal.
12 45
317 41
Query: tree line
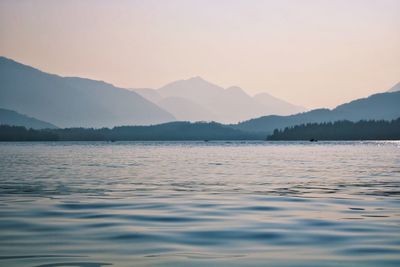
173 131
341 130
180 131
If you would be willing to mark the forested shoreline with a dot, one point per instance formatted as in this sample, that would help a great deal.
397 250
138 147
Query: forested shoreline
340 130
174 131
181 131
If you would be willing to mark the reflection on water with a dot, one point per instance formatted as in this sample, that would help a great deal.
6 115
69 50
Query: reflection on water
193 203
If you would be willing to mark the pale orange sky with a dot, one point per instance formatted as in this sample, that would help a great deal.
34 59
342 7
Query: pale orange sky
315 53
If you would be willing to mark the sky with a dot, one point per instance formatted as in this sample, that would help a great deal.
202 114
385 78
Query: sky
314 53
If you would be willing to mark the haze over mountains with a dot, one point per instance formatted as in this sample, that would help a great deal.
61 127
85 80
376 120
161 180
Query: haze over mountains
196 99
77 102
80 102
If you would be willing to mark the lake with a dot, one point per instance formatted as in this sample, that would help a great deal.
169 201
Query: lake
200 203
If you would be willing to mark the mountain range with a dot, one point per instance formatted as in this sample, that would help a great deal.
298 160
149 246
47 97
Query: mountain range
81 102
196 99
50 100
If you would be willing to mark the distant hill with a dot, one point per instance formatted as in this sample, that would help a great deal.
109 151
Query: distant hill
383 106
202 100
10 117
71 102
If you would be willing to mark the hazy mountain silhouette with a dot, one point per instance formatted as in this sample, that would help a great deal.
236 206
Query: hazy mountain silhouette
69 102
383 106
395 88
182 108
74 101
10 117
207 101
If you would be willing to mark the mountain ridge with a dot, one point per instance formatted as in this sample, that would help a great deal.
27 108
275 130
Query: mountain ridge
380 106
76 101
231 104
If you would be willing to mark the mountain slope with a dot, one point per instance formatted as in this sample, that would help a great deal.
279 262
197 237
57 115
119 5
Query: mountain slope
276 105
71 102
9 117
186 110
383 106
150 94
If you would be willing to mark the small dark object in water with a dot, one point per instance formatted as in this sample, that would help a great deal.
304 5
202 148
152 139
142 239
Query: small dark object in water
313 140
206 140
112 141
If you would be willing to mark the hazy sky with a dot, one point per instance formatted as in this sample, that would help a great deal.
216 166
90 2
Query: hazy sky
310 52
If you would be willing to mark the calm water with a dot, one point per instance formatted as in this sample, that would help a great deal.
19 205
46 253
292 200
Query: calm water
197 204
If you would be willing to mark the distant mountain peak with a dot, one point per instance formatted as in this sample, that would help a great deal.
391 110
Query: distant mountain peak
196 78
236 90
193 81
395 88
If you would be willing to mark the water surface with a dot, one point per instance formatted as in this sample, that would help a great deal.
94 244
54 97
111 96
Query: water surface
195 204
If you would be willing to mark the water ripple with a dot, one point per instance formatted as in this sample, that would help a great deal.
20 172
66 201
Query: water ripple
196 204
